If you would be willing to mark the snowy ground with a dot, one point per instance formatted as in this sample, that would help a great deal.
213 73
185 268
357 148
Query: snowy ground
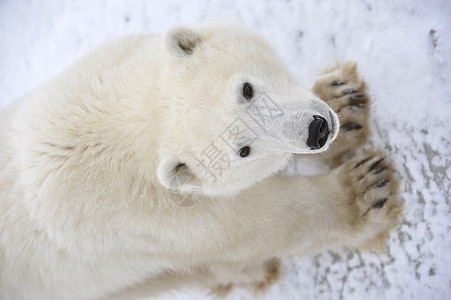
403 49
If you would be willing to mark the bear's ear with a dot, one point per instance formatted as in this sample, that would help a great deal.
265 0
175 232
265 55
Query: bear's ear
182 41
176 176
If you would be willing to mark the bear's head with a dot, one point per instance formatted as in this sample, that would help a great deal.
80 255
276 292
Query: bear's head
234 113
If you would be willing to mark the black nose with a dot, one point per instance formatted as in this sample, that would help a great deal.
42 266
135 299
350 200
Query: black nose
318 132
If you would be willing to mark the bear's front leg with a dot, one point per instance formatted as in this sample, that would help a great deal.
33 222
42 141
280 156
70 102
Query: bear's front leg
341 88
356 204
353 206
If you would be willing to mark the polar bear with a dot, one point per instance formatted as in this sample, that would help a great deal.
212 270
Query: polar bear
154 159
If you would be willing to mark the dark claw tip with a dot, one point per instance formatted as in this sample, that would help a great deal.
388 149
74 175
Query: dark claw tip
379 170
362 162
374 164
356 99
382 183
357 106
349 91
380 203
353 98
337 82
351 126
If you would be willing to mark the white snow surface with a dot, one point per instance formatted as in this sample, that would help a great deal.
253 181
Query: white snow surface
403 49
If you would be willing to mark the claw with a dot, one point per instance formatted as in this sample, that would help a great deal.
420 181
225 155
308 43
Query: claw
349 91
357 106
362 162
374 164
379 170
351 126
380 203
337 82
382 183
353 98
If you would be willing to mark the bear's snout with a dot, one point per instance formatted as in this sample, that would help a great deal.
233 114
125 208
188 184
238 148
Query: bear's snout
318 133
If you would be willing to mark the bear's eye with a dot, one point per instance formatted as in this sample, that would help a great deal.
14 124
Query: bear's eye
248 91
245 151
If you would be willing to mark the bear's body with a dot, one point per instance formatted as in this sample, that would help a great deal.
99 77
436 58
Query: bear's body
92 163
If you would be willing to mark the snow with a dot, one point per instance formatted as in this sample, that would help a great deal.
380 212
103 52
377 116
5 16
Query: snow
403 49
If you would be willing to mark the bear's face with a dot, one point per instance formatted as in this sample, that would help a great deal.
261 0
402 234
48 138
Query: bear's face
235 114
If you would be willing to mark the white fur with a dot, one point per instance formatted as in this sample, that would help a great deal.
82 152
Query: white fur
88 160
